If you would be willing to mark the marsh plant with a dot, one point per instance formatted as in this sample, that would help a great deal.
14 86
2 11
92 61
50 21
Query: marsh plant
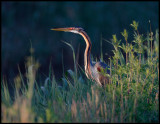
131 96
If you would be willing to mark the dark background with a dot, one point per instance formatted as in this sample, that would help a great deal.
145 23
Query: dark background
23 22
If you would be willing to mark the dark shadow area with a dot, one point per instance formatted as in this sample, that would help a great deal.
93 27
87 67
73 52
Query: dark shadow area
25 22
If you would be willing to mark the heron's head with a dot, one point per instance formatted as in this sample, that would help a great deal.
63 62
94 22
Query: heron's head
69 29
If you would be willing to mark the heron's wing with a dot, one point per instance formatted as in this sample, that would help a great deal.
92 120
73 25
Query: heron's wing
100 65
105 66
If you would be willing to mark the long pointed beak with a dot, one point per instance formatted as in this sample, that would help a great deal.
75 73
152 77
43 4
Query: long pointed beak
60 29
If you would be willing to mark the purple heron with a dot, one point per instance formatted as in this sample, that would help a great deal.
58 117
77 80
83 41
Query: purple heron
93 70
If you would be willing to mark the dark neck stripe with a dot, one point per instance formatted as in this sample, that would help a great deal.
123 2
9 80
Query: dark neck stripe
88 50
87 37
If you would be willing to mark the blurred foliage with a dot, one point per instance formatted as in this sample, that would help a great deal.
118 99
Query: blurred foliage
25 22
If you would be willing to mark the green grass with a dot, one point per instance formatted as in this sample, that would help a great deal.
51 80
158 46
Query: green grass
131 96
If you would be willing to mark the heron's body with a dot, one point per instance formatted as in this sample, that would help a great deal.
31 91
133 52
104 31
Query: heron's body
92 70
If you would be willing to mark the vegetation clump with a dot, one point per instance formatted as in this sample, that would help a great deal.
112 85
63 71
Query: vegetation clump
131 96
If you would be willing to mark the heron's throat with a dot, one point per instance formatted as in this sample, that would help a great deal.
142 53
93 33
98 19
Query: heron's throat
87 60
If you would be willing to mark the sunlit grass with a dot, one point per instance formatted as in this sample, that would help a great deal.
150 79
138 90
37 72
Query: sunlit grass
131 96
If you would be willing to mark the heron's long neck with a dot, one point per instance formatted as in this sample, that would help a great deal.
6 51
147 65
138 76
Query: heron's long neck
87 60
